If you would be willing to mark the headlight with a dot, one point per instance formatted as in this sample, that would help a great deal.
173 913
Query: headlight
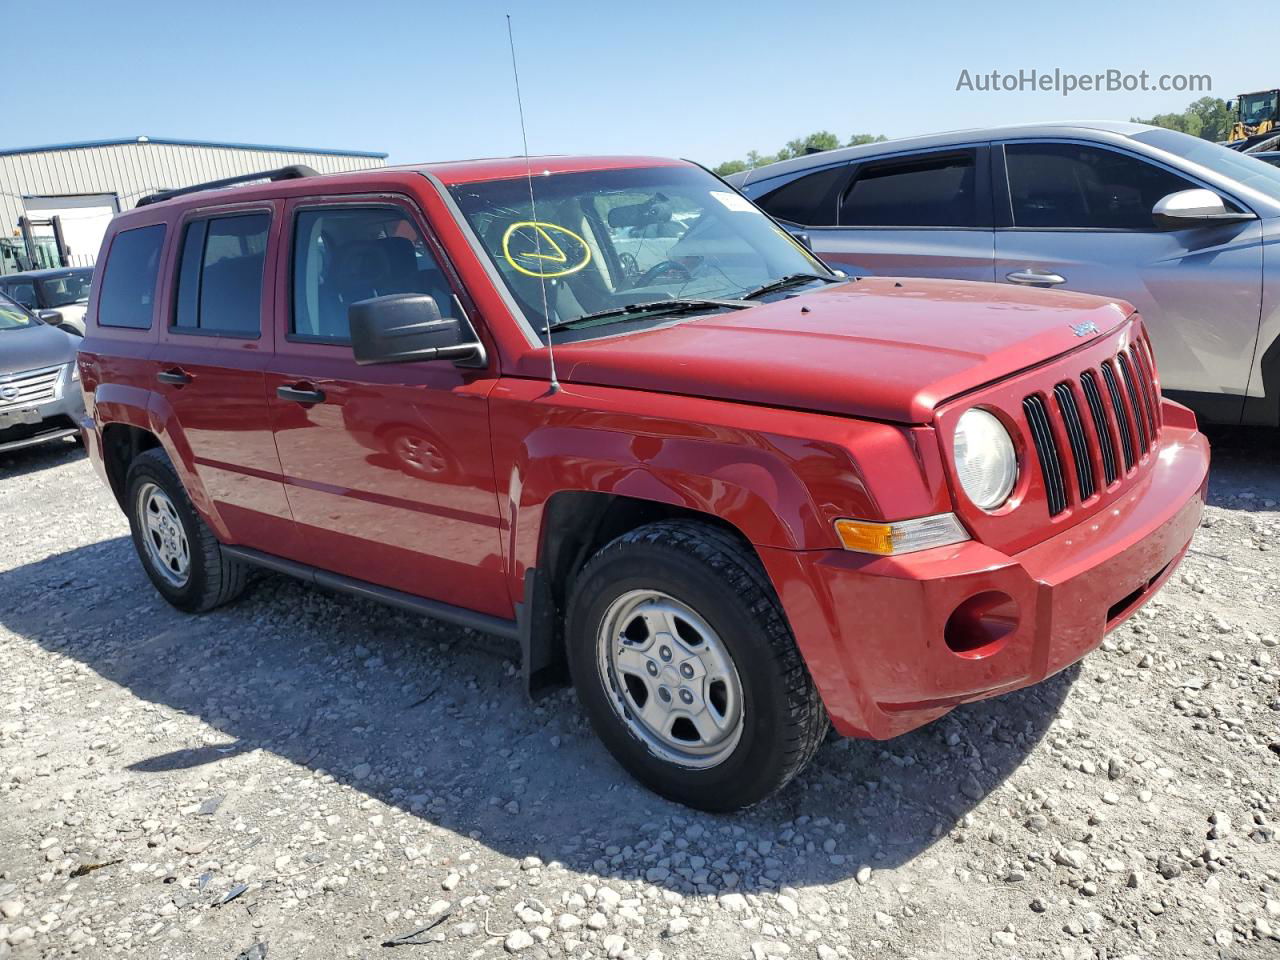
986 463
75 372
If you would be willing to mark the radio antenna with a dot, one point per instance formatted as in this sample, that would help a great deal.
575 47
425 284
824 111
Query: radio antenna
533 207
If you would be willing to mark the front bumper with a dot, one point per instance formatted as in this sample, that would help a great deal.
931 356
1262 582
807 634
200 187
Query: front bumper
28 425
873 629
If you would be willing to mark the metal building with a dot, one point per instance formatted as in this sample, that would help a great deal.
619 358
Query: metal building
56 200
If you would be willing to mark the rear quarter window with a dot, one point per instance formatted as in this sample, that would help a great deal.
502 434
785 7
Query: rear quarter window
128 292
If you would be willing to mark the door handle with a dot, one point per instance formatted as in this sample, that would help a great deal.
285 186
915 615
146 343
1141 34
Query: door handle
300 394
175 375
1038 278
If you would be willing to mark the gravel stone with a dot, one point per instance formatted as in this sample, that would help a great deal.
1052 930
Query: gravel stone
342 765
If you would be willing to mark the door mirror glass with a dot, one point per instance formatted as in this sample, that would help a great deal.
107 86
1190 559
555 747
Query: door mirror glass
1188 207
408 327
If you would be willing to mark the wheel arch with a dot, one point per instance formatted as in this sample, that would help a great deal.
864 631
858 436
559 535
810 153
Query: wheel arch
121 444
575 525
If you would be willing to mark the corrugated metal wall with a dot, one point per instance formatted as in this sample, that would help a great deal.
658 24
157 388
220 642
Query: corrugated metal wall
133 170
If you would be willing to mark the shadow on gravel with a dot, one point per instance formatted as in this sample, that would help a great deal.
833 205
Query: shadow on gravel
18 463
433 720
1246 468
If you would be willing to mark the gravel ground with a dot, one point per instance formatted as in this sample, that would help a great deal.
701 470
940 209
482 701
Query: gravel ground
307 775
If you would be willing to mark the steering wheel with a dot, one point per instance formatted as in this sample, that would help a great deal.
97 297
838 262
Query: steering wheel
663 268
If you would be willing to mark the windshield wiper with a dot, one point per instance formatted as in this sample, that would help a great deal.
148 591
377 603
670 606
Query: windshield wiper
679 305
790 280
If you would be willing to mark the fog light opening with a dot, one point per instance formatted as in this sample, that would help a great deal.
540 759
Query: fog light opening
981 625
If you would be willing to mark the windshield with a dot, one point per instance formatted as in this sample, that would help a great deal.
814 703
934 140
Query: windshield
1257 107
13 317
65 289
1240 167
608 239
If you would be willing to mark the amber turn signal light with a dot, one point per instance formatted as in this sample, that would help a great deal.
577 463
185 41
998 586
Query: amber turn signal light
900 536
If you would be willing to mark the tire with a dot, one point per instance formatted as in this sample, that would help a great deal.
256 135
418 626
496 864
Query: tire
208 578
705 589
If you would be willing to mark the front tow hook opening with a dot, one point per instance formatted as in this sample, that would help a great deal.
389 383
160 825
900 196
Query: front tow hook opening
982 625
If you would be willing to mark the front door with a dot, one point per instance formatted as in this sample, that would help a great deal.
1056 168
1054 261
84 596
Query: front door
388 468
215 340
1081 220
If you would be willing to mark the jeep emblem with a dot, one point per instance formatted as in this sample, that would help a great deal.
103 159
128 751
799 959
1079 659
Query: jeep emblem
1084 329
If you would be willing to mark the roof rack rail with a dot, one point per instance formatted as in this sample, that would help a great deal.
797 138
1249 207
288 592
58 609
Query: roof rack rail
294 172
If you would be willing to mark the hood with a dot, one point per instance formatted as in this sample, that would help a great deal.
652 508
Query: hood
31 348
879 348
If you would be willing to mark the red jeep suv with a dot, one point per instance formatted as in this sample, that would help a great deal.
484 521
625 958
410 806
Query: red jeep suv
607 408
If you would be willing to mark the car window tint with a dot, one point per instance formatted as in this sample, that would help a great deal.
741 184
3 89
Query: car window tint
345 254
809 200
24 293
1057 185
220 275
129 281
929 191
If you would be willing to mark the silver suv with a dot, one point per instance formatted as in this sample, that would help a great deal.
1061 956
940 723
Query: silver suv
1182 228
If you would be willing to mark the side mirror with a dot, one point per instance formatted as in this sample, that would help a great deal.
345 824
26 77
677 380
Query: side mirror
52 317
1188 208
408 327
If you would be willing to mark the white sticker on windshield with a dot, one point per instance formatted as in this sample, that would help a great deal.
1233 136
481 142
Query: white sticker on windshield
734 201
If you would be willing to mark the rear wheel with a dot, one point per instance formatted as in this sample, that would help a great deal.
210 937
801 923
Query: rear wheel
687 668
178 550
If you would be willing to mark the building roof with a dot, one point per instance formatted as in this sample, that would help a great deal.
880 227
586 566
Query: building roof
166 141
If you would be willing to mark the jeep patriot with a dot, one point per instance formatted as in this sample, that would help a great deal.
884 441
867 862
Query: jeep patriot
746 497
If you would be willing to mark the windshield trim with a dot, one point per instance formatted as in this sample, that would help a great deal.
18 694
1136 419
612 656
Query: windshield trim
1250 198
486 264
534 336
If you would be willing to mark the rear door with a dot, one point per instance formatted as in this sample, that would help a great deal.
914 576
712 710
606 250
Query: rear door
922 214
209 365
1077 216
388 468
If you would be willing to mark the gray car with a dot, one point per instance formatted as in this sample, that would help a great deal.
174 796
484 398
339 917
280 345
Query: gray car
64 289
1184 229
40 397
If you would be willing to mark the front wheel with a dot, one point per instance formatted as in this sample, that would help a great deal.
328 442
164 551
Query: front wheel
687 668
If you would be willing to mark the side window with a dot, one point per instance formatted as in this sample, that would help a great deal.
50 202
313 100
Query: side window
344 254
129 281
809 200
1056 185
929 191
220 275
24 293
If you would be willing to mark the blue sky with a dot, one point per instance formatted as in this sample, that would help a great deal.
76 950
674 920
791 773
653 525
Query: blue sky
426 80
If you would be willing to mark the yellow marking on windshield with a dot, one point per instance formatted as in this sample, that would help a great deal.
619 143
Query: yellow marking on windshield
545 250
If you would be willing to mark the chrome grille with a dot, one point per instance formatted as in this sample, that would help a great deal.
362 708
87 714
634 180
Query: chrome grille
1090 385
1070 413
1123 417
1046 453
30 387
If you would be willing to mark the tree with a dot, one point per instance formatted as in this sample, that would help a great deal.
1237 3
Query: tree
1206 118
814 142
